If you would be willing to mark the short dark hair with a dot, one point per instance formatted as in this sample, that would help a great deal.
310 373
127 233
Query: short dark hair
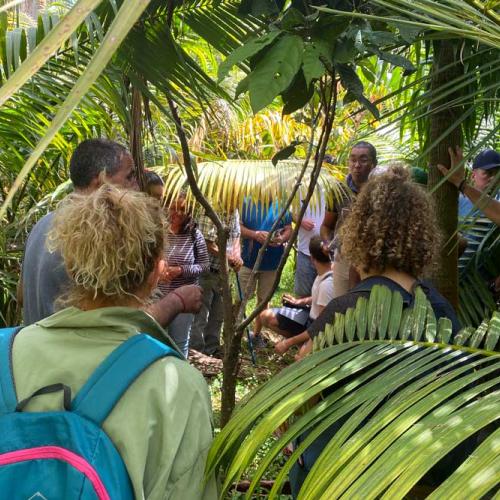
316 250
370 147
93 156
152 179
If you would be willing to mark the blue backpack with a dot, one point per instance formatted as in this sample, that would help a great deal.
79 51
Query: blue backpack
65 455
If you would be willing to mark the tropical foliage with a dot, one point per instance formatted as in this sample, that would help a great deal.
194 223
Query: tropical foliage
227 184
479 266
400 393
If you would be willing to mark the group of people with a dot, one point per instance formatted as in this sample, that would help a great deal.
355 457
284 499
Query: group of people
112 262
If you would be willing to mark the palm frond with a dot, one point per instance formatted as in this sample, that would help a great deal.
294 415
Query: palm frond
227 184
388 407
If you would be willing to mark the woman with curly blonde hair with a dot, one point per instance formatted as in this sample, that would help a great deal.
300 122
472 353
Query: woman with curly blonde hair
391 237
112 243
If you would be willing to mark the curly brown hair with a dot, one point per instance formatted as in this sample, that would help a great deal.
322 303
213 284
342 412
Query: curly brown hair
110 241
391 224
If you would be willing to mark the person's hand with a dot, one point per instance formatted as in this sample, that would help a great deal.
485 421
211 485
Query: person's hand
281 347
308 224
235 262
260 236
304 350
288 299
163 271
191 296
173 272
280 238
456 157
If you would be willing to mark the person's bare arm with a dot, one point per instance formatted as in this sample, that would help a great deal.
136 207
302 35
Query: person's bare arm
185 299
291 300
488 205
328 226
304 350
250 234
212 247
234 258
284 345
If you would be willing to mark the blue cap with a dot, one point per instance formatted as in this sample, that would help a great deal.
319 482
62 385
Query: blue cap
487 159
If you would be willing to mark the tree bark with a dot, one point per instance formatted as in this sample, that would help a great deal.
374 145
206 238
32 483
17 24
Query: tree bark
135 139
443 115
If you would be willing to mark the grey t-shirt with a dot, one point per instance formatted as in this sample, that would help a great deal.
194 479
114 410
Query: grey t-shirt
43 273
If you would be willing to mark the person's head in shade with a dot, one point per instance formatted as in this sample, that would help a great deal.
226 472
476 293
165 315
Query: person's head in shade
484 168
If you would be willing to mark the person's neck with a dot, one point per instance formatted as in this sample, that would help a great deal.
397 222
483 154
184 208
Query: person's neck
90 305
403 279
175 228
322 268
358 185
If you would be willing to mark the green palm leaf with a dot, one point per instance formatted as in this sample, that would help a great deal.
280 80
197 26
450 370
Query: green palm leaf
49 46
398 406
128 14
226 184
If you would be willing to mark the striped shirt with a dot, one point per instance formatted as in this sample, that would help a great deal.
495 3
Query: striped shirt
189 252
209 231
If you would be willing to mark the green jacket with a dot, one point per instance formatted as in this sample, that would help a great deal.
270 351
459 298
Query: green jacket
162 426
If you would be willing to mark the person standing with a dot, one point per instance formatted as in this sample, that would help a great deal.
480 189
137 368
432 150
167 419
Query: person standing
489 205
362 160
111 243
207 325
187 258
305 272
485 168
257 219
43 276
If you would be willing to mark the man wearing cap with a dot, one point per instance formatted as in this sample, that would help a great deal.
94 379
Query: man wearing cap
487 204
485 167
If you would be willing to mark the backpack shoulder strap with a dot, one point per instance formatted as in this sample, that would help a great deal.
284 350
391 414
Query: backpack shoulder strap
326 276
115 374
8 397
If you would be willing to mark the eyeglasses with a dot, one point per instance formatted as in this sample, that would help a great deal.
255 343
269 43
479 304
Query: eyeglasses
363 161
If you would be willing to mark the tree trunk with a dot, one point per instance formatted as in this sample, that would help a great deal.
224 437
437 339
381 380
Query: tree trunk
445 197
232 348
135 139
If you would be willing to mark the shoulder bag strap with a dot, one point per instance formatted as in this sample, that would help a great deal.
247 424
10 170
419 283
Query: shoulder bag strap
98 396
8 397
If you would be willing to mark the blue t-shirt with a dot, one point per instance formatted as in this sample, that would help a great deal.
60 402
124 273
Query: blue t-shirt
259 218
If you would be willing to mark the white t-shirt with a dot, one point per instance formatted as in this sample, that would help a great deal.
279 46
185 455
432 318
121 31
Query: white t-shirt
317 214
321 293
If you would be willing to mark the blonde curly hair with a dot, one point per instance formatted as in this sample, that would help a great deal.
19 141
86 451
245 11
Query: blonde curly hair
391 224
110 241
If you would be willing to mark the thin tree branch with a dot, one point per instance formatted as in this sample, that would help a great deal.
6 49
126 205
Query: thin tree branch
330 103
200 198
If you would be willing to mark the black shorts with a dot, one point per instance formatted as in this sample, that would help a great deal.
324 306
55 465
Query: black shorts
292 319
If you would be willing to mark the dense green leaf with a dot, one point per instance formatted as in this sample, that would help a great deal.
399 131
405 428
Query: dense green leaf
297 95
292 18
249 49
317 59
397 60
344 51
275 71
